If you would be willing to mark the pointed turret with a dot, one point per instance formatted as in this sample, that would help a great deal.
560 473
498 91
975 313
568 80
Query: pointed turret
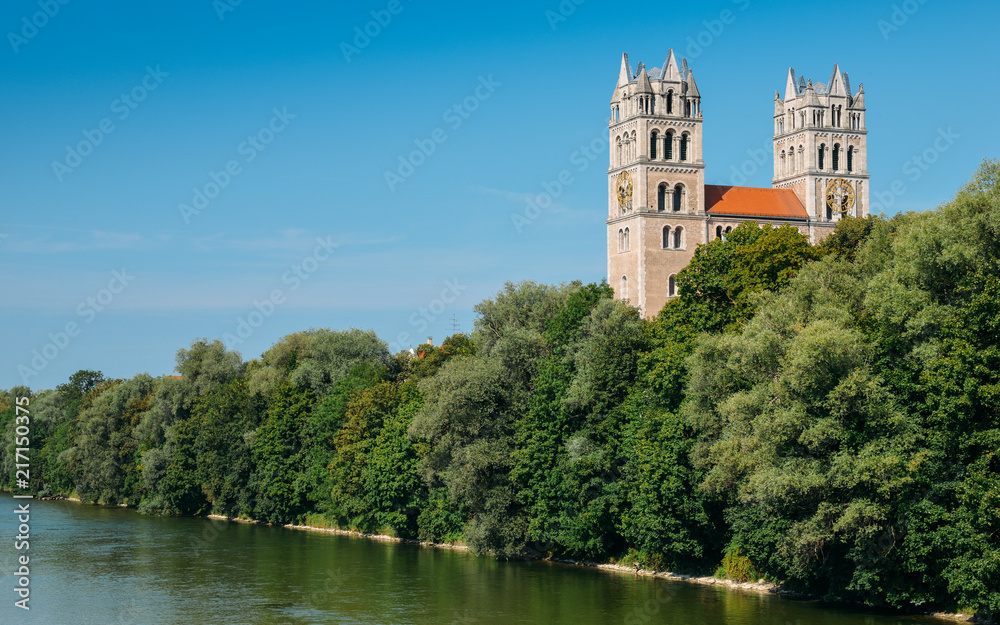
644 86
791 91
625 73
811 125
670 70
692 87
836 84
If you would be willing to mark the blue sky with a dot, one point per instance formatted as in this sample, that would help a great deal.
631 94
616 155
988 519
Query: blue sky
290 120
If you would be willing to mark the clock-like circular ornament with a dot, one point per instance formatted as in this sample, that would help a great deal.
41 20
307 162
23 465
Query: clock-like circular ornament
839 195
623 188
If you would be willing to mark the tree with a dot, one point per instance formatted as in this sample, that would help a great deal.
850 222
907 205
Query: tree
329 356
431 358
278 481
376 487
803 437
848 236
227 421
663 516
321 430
471 408
717 288
104 465
567 460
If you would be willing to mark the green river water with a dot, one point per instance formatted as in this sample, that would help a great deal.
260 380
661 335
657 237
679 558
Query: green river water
94 565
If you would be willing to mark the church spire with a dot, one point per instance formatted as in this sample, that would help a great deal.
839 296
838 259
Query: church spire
692 87
670 71
791 91
644 85
837 86
625 73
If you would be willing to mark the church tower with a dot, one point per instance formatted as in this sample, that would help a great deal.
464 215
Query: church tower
821 149
656 181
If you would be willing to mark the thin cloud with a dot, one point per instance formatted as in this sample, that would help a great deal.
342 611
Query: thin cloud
523 199
56 240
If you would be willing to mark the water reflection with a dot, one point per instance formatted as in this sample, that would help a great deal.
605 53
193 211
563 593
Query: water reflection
94 565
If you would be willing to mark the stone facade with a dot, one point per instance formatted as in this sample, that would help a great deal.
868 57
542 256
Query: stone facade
820 135
659 208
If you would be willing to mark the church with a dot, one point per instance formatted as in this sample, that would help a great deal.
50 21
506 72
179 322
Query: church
659 207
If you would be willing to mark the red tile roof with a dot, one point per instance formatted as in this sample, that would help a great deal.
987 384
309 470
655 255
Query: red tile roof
753 202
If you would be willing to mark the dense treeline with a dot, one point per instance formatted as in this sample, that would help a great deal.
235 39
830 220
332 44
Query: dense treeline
820 415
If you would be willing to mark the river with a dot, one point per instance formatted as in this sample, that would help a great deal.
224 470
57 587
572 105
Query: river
95 565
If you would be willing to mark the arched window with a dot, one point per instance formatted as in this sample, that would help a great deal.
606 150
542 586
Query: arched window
678 237
618 153
822 149
782 166
652 144
718 232
728 229
666 237
626 240
621 240
684 147
850 159
671 287
652 105
668 146
624 289
687 108
678 198
670 102
661 197
836 156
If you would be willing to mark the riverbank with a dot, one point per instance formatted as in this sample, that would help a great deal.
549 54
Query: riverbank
760 587
342 532
746 587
